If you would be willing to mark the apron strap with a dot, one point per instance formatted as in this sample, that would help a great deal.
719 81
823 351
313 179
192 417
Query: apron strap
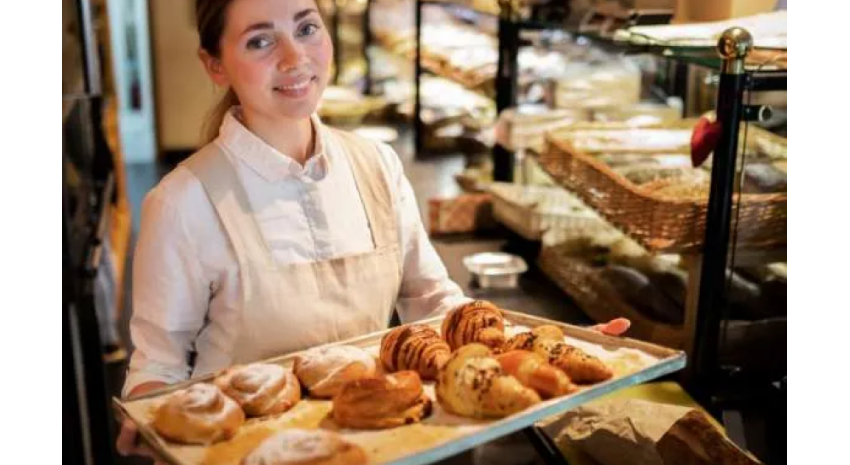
364 157
218 176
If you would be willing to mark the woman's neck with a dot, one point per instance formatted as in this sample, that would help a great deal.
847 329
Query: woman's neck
291 137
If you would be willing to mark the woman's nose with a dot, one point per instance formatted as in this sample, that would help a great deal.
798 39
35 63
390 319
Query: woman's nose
291 55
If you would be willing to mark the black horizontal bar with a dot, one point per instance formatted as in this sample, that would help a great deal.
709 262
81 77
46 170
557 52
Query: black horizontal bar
767 81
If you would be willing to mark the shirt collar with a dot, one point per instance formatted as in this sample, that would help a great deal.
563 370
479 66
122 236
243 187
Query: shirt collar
267 161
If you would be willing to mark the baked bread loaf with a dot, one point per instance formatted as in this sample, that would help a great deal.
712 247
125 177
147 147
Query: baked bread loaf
199 414
479 321
548 341
306 447
382 402
414 347
324 370
533 371
473 384
261 388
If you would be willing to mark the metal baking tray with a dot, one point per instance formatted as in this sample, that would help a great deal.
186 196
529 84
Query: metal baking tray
441 435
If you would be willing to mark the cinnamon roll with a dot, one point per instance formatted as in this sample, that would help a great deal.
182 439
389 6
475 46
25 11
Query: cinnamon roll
199 414
261 388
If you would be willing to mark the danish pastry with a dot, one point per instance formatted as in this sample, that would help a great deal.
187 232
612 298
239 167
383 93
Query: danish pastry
324 370
382 402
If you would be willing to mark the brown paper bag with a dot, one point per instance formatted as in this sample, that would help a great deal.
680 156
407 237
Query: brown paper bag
639 432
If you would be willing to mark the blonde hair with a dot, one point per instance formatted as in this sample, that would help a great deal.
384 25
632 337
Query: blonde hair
216 115
211 16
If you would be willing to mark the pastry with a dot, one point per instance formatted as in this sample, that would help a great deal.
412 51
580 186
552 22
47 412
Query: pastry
473 384
261 388
479 321
306 447
548 341
381 402
324 370
414 347
199 414
533 371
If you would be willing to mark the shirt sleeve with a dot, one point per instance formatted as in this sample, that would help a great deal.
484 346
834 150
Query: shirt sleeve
426 289
170 297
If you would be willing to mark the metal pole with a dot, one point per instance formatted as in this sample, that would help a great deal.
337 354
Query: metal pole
417 103
336 43
506 85
733 47
367 43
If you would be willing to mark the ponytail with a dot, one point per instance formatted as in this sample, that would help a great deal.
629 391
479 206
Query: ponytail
216 115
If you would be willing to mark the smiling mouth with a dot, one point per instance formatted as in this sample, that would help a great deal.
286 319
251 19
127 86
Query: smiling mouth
297 86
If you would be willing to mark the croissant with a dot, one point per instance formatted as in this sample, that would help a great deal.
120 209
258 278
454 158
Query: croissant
479 321
548 340
414 347
532 370
199 414
294 446
382 402
473 384
261 388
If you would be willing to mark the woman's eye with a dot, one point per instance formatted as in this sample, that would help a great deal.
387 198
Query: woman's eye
257 43
308 30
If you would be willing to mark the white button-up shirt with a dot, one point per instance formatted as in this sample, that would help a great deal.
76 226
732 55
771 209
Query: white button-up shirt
185 270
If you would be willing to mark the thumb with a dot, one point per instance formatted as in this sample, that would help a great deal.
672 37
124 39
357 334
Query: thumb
615 327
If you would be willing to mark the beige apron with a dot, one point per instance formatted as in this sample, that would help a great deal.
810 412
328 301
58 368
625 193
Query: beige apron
286 308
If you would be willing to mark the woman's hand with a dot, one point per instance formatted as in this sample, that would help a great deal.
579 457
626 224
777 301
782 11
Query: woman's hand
128 439
615 327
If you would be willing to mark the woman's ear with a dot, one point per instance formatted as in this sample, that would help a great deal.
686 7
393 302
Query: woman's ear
213 67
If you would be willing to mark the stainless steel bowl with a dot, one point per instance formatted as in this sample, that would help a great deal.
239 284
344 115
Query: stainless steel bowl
495 270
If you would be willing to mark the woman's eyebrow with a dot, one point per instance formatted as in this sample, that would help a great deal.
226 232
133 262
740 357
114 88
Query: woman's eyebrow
303 13
258 26
269 25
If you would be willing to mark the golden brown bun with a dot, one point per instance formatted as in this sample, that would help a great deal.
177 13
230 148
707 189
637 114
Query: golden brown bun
306 447
199 414
473 384
414 347
479 321
521 341
261 388
382 402
532 370
324 370
548 341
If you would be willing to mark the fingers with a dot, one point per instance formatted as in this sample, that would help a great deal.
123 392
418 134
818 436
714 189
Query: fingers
126 443
615 327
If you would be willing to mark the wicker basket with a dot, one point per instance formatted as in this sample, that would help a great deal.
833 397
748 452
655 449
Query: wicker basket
659 223
579 279
530 211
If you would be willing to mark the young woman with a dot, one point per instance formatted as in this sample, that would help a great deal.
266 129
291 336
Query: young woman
281 233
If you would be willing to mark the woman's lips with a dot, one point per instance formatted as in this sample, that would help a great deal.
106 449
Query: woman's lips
297 89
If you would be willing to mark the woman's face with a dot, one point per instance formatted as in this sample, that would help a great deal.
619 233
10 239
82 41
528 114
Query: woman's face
276 55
